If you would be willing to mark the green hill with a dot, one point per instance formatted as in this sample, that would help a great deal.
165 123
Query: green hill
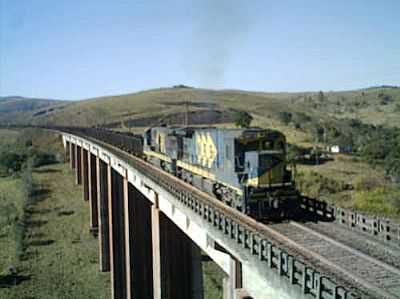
373 105
16 110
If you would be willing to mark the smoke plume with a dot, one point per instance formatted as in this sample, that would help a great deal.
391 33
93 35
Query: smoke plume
220 29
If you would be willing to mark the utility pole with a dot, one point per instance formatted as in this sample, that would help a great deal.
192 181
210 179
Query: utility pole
186 113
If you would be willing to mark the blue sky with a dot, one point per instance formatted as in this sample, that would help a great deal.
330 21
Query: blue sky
80 49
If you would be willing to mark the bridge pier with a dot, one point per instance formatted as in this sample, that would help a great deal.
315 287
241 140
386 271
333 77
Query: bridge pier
67 151
177 269
103 179
85 174
92 176
78 164
117 236
233 282
139 261
72 155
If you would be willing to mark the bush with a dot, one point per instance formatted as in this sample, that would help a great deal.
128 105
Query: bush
11 161
366 183
314 184
379 201
41 158
243 119
301 118
285 117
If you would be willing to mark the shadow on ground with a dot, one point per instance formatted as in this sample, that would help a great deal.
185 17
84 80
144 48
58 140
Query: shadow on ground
40 194
10 280
36 223
32 211
41 242
65 213
47 170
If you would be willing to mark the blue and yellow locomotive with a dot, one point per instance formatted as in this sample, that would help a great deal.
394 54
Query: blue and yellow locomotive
245 168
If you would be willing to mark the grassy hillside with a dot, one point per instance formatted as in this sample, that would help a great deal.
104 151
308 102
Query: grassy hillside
22 110
375 105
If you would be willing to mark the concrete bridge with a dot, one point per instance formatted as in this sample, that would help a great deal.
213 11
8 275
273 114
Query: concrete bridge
152 229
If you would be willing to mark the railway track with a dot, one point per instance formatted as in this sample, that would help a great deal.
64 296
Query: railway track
368 272
383 251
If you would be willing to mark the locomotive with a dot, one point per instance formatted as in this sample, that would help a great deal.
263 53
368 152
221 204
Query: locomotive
244 168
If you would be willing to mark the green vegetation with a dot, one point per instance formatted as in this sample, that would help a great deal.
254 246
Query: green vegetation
243 119
18 154
42 255
212 280
316 185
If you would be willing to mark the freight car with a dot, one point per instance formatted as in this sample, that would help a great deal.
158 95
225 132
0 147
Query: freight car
245 168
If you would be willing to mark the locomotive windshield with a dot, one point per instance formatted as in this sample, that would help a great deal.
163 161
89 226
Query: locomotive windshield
269 161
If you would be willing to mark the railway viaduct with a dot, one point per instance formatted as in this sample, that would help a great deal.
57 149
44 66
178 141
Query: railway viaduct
153 230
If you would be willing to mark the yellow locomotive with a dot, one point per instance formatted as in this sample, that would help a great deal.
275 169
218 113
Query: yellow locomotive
245 168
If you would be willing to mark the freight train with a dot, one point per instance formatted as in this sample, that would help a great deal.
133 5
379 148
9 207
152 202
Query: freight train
244 168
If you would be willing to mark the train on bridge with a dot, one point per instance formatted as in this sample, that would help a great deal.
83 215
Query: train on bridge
244 168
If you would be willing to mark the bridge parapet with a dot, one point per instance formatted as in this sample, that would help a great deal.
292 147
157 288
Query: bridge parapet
381 228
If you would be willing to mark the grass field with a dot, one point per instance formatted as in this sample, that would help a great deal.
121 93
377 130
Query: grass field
61 259
8 137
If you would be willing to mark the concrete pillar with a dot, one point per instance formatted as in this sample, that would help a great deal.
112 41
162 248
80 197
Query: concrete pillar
85 174
72 155
117 235
242 294
233 281
103 173
67 150
92 171
129 202
78 164
197 273
140 264
176 261
156 240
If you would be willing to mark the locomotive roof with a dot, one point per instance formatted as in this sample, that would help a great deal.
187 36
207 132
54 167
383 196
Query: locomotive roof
241 132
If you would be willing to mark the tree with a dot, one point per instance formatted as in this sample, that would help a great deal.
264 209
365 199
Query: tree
285 117
243 119
321 96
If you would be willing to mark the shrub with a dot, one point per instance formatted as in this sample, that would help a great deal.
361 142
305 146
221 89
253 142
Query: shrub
41 158
11 161
366 183
314 184
243 119
285 117
379 201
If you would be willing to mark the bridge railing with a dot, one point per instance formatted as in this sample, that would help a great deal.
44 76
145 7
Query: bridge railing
381 228
378 227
